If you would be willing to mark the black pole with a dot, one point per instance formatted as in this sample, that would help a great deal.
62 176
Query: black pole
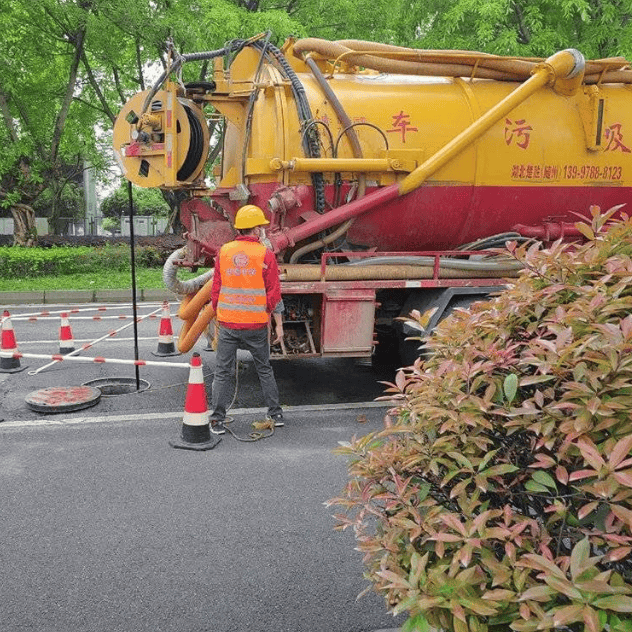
132 247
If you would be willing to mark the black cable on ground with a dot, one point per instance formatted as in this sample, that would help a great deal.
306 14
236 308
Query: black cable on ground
258 434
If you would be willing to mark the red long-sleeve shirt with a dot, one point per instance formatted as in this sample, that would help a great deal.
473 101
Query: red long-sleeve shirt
270 280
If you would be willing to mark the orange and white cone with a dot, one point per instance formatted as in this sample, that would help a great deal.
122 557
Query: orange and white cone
196 429
66 341
8 347
166 346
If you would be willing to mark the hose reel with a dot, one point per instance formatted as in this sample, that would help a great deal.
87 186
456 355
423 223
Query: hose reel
165 146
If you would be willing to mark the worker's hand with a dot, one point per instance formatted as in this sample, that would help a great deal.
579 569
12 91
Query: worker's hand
278 334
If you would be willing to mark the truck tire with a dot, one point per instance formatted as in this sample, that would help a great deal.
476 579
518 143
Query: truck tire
445 302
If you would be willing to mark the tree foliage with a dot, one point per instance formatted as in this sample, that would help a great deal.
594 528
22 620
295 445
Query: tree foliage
67 67
146 202
520 27
501 492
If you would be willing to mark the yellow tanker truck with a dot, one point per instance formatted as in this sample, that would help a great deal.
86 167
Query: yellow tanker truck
384 172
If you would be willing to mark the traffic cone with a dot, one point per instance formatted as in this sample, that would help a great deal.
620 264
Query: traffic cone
66 341
8 364
196 429
166 347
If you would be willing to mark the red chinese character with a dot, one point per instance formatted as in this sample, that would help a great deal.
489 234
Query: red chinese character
614 136
401 122
515 171
521 132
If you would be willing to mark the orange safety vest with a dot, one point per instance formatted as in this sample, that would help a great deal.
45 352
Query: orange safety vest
242 296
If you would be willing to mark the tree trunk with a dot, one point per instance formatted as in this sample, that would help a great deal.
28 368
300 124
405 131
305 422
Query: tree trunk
173 199
24 230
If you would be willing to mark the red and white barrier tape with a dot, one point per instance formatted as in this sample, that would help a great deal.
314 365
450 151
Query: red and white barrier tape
32 319
90 344
36 315
63 358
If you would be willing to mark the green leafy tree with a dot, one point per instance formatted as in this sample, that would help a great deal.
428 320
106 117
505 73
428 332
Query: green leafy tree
111 224
65 69
39 66
146 202
70 202
519 27
44 130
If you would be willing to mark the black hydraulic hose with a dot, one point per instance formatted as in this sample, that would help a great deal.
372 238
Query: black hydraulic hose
232 47
251 103
311 144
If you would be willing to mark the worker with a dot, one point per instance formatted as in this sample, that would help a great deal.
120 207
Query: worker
246 291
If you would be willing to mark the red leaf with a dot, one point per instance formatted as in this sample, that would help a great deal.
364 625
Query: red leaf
562 474
525 612
567 614
625 477
575 476
591 619
452 521
618 554
587 509
620 451
623 514
590 452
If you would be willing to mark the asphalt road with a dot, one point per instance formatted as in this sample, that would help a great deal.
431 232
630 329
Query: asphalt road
105 527
308 381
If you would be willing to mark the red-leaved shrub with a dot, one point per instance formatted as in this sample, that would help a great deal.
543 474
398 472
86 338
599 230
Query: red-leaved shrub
500 493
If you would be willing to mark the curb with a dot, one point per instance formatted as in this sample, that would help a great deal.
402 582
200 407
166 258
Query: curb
84 296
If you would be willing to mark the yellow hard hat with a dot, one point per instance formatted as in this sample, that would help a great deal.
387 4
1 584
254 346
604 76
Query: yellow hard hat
250 216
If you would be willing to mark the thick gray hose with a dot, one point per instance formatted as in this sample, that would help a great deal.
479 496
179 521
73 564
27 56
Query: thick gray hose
170 276
444 262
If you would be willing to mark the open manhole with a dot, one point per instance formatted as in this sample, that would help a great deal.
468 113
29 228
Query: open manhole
118 385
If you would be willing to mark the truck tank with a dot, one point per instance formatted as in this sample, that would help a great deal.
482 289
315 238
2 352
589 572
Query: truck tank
362 146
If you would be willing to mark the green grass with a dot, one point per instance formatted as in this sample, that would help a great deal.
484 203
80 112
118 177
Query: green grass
146 278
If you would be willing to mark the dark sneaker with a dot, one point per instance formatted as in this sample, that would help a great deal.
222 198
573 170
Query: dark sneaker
277 419
217 427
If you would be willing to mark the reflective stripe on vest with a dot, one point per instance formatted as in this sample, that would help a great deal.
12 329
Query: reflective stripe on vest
242 296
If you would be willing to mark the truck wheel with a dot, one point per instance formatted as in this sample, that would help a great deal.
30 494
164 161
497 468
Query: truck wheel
410 350
386 351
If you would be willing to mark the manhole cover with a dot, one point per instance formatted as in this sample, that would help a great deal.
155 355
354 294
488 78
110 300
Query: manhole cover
118 385
63 399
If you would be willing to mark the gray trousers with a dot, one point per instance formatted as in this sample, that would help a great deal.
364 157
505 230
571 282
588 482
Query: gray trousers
255 341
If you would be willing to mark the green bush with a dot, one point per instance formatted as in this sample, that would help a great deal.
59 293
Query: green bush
500 492
150 257
33 262
30 262
112 257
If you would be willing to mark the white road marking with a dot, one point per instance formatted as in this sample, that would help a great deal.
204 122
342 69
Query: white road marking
131 417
